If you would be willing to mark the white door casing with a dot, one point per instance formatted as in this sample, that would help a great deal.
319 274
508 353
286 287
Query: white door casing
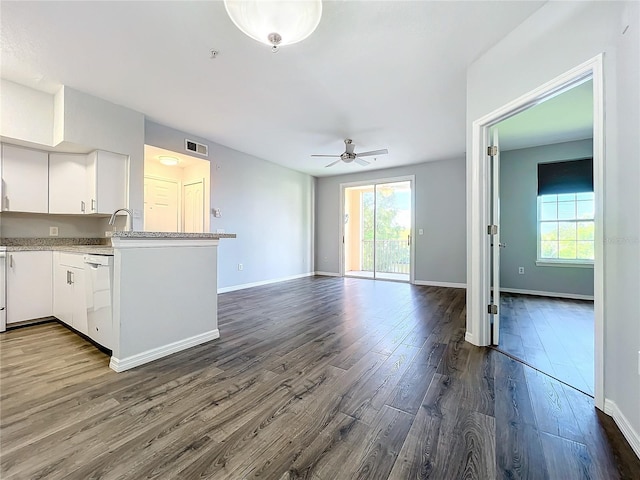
479 207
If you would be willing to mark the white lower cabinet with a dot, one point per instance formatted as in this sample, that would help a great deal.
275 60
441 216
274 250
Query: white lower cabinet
69 293
29 285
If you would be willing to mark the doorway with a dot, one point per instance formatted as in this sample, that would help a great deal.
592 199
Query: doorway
377 221
544 209
484 241
175 192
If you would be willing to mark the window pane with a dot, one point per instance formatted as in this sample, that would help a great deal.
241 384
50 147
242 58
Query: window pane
586 250
567 250
586 231
585 196
548 211
585 209
567 197
566 210
567 231
549 198
549 231
548 249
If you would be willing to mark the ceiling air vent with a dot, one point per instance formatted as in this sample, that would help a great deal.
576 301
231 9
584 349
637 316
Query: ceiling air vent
196 147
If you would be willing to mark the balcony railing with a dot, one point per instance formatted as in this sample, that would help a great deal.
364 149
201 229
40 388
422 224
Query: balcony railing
392 256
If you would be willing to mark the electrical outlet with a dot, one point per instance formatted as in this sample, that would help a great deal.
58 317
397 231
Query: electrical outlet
53 231
216 212
521 270
219 230
240 266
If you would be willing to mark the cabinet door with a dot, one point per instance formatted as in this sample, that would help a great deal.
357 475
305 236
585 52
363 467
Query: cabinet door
107 178
62 294
25 179
67 183
79 300
29 286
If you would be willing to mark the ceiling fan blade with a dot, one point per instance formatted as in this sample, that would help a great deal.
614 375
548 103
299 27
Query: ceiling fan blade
332 164
384 151
336 156
361 162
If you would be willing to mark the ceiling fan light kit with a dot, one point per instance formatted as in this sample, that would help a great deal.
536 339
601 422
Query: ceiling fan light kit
350 156
275 23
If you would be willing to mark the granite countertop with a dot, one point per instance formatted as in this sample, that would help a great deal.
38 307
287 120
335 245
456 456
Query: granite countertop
186 236
95 246
89 249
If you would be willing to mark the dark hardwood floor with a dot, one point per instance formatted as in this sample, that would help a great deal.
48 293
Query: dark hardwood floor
554 335
317 378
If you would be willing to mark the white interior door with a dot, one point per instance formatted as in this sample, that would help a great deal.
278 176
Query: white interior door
495 244
194 207
161 205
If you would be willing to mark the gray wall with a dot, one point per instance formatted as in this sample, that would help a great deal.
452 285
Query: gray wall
440 254
518 221
269 207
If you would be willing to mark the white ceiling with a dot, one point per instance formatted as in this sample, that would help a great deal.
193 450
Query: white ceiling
387 74
563 118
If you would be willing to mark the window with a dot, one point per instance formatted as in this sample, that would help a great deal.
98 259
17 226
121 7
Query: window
566 228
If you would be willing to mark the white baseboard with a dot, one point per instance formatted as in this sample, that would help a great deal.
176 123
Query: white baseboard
573 296
327 274
429 283
610 408
122 364
233 288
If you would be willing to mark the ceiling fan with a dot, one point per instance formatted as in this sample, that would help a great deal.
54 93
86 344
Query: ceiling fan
349 156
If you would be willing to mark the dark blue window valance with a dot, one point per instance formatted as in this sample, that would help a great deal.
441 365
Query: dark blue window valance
574 176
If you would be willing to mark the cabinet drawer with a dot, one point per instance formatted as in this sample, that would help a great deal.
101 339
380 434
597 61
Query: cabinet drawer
71 259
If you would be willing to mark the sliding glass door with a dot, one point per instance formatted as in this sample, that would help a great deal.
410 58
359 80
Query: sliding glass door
377 230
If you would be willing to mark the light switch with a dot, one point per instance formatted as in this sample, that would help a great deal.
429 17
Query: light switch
420 231
216 212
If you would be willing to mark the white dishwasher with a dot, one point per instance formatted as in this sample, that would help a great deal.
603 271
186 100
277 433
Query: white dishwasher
98 284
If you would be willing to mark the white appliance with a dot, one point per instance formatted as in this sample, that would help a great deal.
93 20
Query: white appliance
3 291
98 284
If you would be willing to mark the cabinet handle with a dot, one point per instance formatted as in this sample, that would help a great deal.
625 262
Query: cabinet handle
82 206
71 278
6 202
93 205
10 261
68 277
409 240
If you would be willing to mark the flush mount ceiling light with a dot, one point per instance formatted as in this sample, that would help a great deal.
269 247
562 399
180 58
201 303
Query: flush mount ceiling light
275 23
170 161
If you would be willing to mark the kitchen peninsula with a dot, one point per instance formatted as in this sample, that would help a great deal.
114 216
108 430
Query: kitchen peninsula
164 294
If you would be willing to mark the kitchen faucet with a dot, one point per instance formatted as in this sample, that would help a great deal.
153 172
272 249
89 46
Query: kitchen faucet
112 220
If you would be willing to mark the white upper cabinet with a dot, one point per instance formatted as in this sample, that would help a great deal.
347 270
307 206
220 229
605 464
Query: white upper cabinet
67 183
25 180
107 176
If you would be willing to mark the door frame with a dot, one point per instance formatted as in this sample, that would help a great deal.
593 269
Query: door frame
378 181
478 207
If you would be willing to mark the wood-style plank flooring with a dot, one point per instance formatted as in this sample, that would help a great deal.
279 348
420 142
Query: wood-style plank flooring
317 378
553 335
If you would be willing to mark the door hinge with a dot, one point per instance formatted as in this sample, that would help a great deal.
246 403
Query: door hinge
492 229
492 309
492 151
